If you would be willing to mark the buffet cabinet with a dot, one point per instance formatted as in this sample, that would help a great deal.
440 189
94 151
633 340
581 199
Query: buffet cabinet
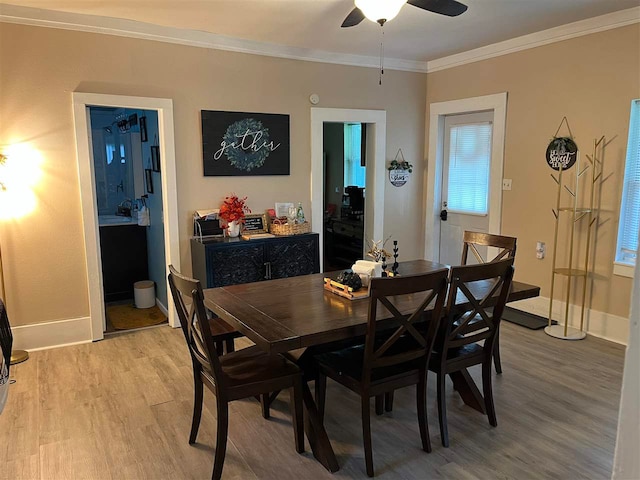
218 262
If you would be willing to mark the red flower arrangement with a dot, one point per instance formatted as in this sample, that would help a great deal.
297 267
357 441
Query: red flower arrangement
233 209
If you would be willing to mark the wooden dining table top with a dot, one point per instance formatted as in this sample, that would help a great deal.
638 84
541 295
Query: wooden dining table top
290 313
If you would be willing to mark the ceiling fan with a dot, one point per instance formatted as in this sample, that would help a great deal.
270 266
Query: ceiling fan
381 11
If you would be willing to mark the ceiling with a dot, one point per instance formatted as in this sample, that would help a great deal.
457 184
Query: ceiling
414 35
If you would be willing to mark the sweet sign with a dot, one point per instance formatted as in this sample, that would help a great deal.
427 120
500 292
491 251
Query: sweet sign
239 143
562 151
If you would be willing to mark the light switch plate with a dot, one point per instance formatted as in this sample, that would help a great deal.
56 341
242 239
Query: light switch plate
506 184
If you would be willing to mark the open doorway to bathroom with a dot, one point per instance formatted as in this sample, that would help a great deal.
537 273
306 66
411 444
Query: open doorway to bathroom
345 174
128 197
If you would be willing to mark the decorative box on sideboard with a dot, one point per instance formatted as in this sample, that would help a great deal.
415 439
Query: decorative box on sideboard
218 262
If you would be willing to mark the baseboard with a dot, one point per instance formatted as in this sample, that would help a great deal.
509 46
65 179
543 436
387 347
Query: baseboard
599 324
162 308
41 336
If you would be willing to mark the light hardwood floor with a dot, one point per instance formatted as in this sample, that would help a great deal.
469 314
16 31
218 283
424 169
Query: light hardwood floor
121 409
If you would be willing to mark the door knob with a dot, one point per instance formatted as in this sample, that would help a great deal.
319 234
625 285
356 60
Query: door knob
443 215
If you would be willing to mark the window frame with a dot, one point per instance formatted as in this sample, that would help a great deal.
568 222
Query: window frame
622 268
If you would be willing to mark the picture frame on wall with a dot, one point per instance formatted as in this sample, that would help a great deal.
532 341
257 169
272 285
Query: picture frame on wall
155 158
245 144
148 177
143 130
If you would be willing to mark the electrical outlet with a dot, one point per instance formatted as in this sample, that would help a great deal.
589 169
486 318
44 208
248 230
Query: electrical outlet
506 184
541 249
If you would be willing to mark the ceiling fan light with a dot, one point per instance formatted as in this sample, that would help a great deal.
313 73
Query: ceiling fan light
376 10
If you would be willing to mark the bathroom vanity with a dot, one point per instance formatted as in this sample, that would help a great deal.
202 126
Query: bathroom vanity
123 250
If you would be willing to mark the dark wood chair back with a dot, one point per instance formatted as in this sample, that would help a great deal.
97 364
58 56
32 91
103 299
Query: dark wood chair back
472 240
6 337
189 299
415 343
477 296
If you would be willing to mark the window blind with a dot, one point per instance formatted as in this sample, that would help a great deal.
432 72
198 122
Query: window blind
627 248
469 165
354 172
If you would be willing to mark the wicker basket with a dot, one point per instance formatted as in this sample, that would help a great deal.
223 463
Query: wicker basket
287 229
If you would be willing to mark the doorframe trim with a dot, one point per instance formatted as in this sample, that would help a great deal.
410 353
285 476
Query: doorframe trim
437 111
82 124
374 200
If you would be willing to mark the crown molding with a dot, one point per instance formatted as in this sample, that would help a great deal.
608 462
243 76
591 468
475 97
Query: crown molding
557 34
146 31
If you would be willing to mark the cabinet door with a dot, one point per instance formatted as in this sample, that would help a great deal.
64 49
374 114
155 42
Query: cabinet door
291 257
236 264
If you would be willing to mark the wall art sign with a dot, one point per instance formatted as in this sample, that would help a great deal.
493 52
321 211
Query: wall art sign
240 143
399 177
562 151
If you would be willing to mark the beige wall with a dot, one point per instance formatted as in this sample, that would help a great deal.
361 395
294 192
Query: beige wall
591 80
43 252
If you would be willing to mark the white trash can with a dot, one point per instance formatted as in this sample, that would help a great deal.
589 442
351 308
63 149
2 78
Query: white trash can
144 294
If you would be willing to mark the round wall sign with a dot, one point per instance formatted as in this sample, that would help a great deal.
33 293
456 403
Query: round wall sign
562 151
398 177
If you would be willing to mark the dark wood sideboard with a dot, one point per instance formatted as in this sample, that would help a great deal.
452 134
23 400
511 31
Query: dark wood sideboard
218 262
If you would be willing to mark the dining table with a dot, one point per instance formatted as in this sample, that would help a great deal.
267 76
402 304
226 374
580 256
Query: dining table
297 314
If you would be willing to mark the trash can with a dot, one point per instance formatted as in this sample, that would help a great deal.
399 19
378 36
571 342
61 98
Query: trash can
144 294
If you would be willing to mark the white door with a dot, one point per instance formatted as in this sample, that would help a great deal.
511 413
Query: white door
465 181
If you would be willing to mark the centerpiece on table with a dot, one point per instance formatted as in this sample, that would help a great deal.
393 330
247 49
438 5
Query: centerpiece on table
233 211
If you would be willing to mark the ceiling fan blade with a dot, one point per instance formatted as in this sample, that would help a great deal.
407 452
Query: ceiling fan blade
450 8
353 19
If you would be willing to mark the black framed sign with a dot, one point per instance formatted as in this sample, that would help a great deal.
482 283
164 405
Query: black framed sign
562 151
255 223
240 143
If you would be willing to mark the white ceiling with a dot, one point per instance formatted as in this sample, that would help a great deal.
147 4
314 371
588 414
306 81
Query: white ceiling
414 35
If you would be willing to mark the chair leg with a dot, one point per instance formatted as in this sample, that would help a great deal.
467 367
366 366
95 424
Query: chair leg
321 394
221 439
264 403
421 398
496 354
198 392
442 409
230 345
487 392
219 348
380 404
366 434
297 418
388 401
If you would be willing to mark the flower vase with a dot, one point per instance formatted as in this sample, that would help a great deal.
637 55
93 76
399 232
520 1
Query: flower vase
233 228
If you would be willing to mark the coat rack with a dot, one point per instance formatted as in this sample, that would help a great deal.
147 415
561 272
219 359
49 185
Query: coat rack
562 159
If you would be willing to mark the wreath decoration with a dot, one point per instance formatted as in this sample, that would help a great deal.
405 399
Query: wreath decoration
246 158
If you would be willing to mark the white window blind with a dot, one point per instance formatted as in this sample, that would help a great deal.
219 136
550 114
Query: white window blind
627 247
354 172
469 164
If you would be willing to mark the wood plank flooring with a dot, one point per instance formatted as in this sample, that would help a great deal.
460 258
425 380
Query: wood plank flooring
121 409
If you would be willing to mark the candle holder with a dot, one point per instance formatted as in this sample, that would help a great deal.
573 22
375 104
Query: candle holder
394 267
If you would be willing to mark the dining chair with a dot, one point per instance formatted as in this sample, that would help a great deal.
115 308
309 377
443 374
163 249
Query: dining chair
477 296
395 354
506 249
6 342
240 374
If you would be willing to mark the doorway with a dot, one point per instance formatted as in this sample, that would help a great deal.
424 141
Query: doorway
128 184
376 126
164 110
496 107
465 181
344 193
